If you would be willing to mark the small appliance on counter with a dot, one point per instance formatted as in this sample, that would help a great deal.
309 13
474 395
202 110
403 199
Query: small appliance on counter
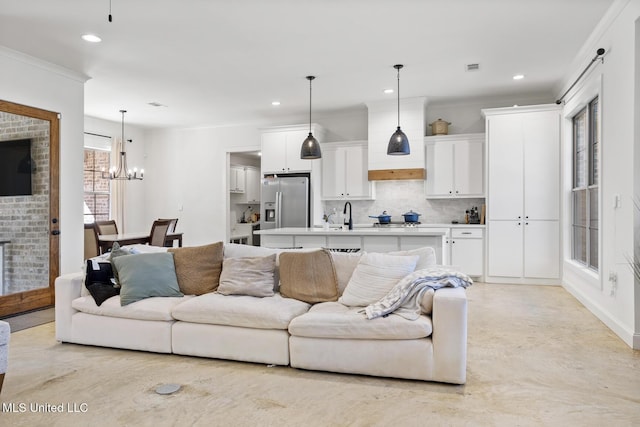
472 216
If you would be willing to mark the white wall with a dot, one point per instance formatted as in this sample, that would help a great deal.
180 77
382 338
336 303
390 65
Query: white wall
615 303
29 81
187 171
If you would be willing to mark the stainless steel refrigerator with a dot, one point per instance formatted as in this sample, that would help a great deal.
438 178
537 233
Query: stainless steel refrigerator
284 202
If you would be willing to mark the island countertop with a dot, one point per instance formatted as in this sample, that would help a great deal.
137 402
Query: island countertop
367 230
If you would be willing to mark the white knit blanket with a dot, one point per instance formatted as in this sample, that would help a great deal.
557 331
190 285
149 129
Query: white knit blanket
404 299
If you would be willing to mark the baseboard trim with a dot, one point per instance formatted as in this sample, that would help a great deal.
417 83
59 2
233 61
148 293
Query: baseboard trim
625 334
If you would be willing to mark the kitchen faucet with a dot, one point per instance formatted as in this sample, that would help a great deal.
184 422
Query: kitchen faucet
350 219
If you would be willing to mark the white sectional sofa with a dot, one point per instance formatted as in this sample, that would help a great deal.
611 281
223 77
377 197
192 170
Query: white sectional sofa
325 335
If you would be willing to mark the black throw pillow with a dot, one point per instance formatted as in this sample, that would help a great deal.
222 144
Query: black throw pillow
102 291
99 282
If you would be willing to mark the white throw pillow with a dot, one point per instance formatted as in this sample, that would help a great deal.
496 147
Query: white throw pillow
427 256
345 264
375 275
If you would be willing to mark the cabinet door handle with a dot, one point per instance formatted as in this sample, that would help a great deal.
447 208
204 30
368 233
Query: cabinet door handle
519 224
466 232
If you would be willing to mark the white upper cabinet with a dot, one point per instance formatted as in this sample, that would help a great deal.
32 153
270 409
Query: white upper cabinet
344 171
524 166
244 183
281 149
252 185
236 179
455 166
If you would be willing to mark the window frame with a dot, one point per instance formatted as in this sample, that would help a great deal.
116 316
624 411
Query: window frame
94 192
590 182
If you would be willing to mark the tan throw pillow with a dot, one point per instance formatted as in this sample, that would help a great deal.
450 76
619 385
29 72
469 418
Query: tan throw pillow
375 275
248 276
198 268
308 276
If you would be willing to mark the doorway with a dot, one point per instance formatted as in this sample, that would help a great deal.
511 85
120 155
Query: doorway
29 232
244 197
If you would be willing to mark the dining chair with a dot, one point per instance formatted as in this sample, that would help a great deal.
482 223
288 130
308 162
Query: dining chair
172 226
91 244
107 227
159 231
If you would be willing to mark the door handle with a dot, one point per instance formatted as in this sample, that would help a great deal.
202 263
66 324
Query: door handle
55 232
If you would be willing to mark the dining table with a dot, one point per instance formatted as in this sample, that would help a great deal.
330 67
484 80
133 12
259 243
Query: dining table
106 241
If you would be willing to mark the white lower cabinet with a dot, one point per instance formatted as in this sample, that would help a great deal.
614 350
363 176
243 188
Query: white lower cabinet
466 246
527 248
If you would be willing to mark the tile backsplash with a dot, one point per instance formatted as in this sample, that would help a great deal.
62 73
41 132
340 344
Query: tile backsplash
399 197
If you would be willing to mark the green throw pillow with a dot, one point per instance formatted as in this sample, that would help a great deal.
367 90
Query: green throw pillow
146 275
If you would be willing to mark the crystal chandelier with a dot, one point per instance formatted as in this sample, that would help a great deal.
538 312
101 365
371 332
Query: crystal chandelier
122 172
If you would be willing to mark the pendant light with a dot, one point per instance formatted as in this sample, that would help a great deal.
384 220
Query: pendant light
310 149
122 172
398 143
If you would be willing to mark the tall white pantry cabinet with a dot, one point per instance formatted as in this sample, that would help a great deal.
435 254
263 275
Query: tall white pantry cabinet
523 194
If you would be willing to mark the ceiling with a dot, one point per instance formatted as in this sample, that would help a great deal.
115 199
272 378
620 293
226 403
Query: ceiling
222 62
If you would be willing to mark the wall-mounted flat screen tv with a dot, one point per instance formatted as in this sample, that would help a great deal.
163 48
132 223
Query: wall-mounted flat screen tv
16 167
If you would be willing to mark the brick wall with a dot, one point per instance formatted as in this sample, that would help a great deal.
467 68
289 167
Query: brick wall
24 220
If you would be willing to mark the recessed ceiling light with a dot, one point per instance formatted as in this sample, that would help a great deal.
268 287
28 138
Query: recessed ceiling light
518 77
388 91
91 38
275 103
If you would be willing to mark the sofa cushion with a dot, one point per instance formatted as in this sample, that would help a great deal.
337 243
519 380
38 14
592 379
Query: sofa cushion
146 309
308 276
335 320
146 275
375 275
198 268
274 312
248 276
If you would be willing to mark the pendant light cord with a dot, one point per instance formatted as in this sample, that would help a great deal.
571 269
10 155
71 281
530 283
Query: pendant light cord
310 78
110 18
398 68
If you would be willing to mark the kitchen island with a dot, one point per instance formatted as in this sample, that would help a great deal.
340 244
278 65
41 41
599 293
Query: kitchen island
458 245
366 238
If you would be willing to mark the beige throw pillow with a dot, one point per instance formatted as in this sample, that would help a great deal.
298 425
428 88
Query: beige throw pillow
248 276
375 275
308 276
198 268
345 264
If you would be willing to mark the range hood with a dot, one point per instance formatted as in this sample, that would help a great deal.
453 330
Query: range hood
383 120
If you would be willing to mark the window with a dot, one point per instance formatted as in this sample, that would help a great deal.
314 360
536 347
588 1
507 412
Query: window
96 189
586 151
